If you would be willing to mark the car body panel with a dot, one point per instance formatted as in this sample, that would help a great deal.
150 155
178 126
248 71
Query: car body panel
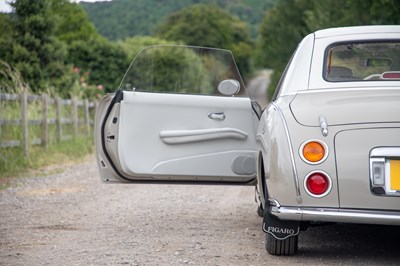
297 75
279 166
343 107
352 152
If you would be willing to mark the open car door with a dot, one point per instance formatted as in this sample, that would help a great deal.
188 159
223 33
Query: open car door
175 119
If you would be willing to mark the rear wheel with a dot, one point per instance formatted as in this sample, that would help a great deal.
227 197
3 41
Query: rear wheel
286 247
261 187
260 211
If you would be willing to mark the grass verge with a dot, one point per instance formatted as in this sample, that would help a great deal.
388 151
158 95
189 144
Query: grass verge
14 164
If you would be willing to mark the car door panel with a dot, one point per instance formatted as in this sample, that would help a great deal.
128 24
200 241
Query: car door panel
158 137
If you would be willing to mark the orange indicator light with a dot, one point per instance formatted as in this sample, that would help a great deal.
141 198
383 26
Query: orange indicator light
313 151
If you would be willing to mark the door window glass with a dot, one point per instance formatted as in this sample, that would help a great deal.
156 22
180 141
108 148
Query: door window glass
181 69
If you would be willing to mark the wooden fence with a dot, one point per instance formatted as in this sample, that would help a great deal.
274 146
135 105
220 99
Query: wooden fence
80 126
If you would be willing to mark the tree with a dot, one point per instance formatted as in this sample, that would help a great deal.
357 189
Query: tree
72 22
35 52
371 12
93 60
133 45
5 26
105 61
5 47
210 26
283 27
169 69
117 20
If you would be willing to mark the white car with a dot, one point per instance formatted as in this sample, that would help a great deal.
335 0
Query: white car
326 148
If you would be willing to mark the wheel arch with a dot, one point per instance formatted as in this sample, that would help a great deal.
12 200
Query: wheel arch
261 180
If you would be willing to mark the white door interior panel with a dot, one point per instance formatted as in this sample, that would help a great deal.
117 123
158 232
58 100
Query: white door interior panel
183 137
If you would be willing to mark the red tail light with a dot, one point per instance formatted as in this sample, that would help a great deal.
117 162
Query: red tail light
318 184
391 75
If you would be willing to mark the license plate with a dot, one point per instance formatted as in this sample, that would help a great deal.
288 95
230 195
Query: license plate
395 174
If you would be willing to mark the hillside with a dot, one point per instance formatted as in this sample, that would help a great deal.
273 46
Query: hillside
119 19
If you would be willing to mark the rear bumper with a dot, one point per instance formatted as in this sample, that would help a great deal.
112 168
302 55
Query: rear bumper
336 215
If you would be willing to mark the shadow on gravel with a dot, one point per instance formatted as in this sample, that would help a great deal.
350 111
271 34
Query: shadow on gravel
364 243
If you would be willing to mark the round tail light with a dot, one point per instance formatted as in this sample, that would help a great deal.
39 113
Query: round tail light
313 151
318 184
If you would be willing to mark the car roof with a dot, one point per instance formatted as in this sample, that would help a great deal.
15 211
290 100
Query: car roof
357 30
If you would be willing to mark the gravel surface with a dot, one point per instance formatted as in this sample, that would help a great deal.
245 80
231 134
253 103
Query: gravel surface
72 218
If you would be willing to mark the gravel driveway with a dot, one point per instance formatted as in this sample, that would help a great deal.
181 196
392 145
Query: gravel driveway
72 218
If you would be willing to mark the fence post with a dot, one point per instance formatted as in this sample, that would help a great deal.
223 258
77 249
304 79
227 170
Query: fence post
75 115
96 105
58 114
45 127
1 135
87 117
24 122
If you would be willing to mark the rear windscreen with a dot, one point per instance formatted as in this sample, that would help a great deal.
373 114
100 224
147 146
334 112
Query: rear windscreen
363 61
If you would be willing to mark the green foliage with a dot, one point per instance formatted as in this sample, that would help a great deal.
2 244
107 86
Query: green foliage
283 27
250 11
290 20
10 79
80 87
40 48
179 69
13 162
120 19
168 69
106 62
214 27
5 26
34 51
100 62
133 45
370 12
72 22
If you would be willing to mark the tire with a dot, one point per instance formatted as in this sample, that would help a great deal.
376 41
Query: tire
286 247
260 211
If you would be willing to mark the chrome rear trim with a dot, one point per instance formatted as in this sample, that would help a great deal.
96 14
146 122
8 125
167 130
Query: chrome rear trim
337 215
385 152
294 170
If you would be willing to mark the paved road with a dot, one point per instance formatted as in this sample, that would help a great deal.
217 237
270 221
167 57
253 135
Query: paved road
258 85
72 218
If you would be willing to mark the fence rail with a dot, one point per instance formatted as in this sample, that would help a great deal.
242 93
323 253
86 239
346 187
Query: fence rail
60 121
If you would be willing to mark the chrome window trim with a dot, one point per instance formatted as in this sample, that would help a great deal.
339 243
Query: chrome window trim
346 89
294 169
358 216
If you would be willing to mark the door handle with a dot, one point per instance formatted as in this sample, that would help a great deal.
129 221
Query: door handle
217 116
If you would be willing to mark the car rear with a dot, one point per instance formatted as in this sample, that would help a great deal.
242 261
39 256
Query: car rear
354 97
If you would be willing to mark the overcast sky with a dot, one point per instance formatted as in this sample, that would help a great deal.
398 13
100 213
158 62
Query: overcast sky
4 7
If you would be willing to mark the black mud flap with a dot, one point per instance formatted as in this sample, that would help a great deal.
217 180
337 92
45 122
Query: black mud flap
280 229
